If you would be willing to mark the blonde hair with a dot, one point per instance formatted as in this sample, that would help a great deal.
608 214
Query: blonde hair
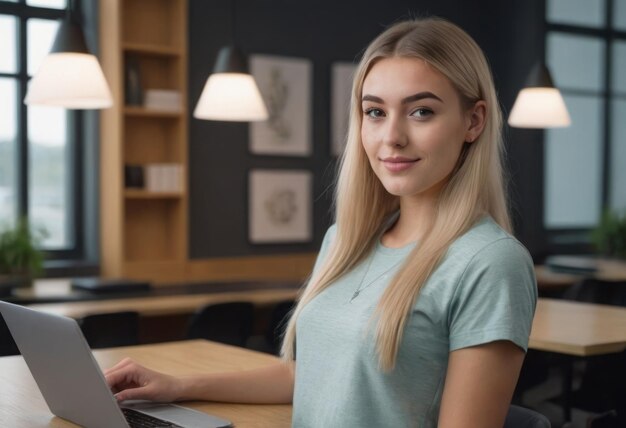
475 188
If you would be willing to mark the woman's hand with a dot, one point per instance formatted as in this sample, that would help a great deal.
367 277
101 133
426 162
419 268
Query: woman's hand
131 381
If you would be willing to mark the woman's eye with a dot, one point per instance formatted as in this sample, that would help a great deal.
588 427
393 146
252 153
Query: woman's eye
374 113
422 112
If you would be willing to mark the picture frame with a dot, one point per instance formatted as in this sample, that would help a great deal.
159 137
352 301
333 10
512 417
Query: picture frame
342 75
285 85
280 206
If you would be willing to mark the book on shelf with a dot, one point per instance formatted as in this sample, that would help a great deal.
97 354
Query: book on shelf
164 177
163 100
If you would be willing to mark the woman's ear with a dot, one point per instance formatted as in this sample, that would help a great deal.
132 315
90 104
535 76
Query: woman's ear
476 115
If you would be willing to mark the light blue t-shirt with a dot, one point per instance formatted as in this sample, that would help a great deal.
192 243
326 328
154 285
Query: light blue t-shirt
484 290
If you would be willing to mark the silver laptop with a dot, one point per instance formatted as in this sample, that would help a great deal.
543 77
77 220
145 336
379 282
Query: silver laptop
71 382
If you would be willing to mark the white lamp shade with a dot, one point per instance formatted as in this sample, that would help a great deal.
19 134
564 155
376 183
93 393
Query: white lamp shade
539 108
231 97
70 80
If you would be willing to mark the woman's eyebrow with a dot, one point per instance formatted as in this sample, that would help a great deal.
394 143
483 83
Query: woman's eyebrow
420 96
409 99
372 98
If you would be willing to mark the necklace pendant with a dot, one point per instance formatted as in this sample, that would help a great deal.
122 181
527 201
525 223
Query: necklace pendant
355 295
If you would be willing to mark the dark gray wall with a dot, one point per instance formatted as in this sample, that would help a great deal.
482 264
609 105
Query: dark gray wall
324 32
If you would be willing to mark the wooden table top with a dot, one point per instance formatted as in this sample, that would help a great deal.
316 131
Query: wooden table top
607 270
580 329
164 305
24 406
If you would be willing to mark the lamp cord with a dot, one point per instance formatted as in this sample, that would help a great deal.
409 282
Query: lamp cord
72 11
233 6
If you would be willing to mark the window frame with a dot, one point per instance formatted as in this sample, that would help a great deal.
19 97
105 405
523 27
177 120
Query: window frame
76 252
577 240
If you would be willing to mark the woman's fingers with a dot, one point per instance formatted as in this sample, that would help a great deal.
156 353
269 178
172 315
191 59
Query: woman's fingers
123 363
120 378
131 381
140 393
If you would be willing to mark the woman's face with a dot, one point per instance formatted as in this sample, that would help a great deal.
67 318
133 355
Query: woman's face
413 126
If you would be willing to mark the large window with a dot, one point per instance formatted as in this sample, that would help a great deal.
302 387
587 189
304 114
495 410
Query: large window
586 163
39 165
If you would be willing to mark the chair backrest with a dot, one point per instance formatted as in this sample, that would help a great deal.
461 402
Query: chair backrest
229 323
608 419
7 344
593 290
278 321
521 417
111 329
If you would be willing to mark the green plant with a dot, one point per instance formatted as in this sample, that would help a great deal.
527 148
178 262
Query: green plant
19 250
609 236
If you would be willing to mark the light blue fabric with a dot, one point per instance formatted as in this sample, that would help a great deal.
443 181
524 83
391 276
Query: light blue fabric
484 290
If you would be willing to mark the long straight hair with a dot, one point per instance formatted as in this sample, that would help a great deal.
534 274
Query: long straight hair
474 189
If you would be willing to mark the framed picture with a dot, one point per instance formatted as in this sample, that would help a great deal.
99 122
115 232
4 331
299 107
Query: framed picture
285 84
342 74
279 206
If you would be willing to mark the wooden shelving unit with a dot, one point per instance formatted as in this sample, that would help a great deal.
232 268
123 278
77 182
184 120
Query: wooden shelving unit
143 194
143 234
145 112
150 49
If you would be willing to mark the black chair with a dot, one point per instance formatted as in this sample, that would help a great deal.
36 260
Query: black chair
278 321
111 329
605 420
521 417
7 344
591 290
229 323
602 387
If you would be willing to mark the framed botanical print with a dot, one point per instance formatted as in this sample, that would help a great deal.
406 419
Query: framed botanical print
285 84
280 206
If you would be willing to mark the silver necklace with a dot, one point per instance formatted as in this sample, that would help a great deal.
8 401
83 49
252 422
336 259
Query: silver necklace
362 287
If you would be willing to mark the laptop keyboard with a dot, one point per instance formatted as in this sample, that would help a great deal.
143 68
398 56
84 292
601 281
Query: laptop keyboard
140 420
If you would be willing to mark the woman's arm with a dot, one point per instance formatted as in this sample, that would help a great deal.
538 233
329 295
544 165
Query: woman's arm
268 385
480 381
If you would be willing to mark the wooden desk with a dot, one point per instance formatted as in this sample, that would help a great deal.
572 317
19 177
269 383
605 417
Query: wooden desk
578 329
164 305
608 270
23 405
50 290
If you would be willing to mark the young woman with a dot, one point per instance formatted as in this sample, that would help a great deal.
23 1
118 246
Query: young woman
420 305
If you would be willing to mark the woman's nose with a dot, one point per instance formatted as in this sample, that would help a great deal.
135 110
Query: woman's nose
395 133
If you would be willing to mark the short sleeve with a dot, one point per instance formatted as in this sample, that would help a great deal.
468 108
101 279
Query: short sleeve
328 239
495 298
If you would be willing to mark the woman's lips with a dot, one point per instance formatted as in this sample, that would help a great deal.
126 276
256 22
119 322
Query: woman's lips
398 164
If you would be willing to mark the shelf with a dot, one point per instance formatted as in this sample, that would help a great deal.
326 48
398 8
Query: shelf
144 233
144 194
151 49
144 112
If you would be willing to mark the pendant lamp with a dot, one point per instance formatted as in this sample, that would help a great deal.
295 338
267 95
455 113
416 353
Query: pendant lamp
70 76
539 104
231 93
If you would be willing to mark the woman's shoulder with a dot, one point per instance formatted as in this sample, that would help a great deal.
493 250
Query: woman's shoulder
488 240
